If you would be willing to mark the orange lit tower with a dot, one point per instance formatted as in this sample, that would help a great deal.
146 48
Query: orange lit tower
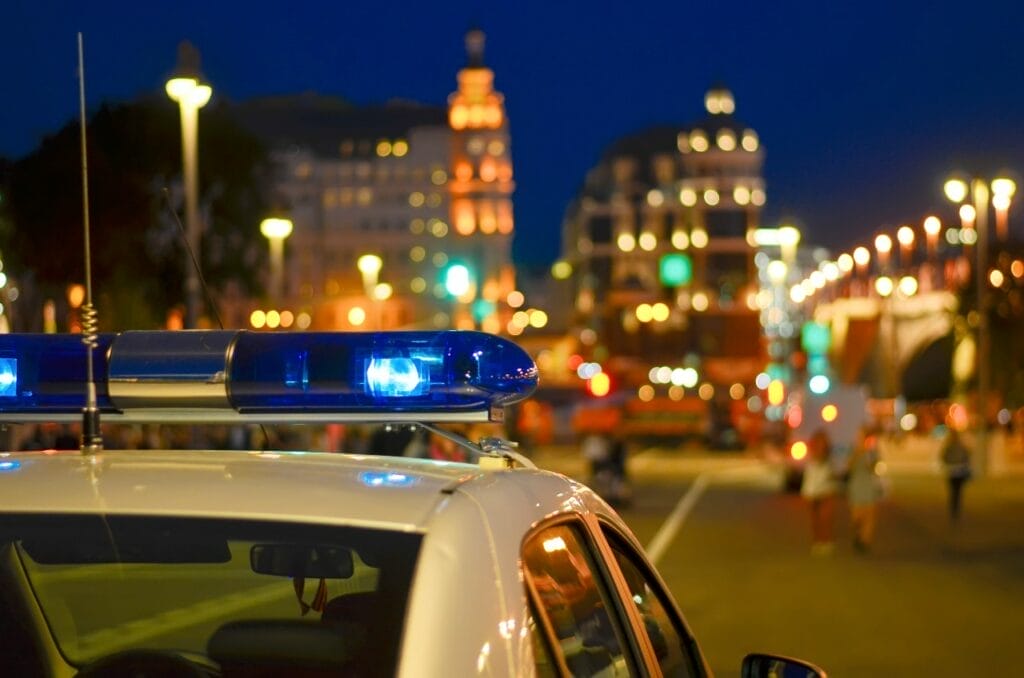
481 189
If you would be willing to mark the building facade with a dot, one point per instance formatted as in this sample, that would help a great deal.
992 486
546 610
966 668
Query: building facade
386 201
663 266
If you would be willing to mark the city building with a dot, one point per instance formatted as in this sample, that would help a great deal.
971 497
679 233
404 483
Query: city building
402 212
663 266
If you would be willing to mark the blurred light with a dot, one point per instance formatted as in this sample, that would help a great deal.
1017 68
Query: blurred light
356 316
711 196
258 319
678 376
908 422
626 242
561 270
829 413
1017 268
777 272
819 384
515 299
680 239
706 391
861 256
968 236
303 321
996 277
644 313
794 416
273 319
700 302
600 385
275 228
736 391
749 140
932 225
383 148
699 238
741 195
521 319
1004 417
659 312
1004 187
655 198
905 235
757 197
955 190
690 377
676 393
908 286
664 375
688 197
776 392
456 280
538 319
884 285
646 393
818 279
725 139
698 141
762 380
883 244
798 450
369 264
968 213
648 241
76 292
1001 202
382 291
754 404
953 236
418 285
287 319
400 148
797 294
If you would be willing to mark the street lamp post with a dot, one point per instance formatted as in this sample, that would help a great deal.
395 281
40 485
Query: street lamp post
276 230
958 190
186 89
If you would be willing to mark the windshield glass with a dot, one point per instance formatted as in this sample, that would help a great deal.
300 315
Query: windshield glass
217 588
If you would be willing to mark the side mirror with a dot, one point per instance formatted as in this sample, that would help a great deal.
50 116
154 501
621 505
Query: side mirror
776 666
302 560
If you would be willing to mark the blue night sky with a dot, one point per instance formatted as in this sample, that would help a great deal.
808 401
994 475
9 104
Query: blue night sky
863 108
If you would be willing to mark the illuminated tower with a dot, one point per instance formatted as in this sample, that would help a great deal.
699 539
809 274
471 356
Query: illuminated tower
481 190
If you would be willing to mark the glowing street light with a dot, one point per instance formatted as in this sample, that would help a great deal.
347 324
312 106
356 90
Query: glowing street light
905 236
1002 192
186 89
276 230
883 245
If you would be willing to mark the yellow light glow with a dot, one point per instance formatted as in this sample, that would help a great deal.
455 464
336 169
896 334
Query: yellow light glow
706 391
831 271
383 148
644 313
1004 187
711 196
750 142
698 141
515 299
700 302
680 239
676 393
645 393
648 241
626 242
416 199
655 198
883 244
458 117
561 270
276 228
862 256
600 384
797 294
967 215
955 189
908 286
741 195
829 413
356 316
688 197
884 285
554 544
521 319
76 295
369 264
736 391
400 148
777 271
776 392
418 253
258 319
382 291
996 277
845 263
1001 202
538 319
799 450
757 197
712 104
932 225
273 319
789 236
287 319
188 92
1017 268
418 285
699 238
726 140
905 235
659 312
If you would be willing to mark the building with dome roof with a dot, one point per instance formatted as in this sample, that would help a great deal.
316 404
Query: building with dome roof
663 273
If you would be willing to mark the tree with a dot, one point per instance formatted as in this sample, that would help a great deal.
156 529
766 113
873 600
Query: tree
138 251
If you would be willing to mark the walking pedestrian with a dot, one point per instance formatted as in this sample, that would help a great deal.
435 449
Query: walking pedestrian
819 488
864 488
956 459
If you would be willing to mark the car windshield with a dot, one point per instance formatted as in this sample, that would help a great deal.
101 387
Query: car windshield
93 585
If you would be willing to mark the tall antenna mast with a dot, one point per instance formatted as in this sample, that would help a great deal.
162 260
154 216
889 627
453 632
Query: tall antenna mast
92 440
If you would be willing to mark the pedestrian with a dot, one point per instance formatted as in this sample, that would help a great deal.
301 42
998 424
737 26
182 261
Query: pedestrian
956 459
819 488
864 488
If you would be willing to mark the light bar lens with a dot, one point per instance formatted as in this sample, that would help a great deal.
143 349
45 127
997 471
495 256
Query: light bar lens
8 377
396 377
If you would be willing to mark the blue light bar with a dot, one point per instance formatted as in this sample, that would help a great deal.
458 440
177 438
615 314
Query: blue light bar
293 377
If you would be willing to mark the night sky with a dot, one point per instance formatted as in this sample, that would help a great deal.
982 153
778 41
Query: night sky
863 108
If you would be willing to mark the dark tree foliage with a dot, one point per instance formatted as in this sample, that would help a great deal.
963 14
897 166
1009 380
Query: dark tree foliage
138 250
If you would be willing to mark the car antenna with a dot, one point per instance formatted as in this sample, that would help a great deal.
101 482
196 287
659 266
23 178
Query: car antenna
92 438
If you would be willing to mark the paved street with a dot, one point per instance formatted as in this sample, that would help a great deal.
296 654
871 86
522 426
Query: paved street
930 599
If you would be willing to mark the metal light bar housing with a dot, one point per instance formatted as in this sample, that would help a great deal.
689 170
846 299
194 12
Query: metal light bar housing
283 377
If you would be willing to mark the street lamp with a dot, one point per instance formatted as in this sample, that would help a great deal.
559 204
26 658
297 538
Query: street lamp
1002 191
276 230
185 88
957 190
883 245
905 235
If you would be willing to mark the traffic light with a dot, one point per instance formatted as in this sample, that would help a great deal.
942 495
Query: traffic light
457 280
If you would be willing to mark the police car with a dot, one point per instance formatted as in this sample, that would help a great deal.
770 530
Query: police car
256 563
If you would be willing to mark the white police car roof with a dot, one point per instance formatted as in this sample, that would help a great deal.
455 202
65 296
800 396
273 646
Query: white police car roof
371 491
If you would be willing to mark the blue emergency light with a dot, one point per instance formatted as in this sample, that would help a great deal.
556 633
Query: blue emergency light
287 377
